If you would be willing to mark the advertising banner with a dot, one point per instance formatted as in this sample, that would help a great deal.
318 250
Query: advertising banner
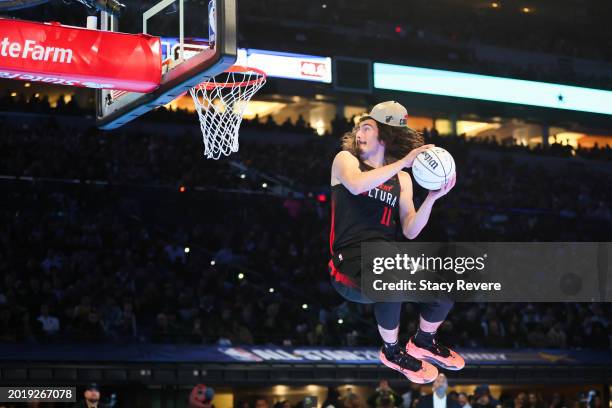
74 56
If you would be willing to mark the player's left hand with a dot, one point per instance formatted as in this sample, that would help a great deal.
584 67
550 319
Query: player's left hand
435 194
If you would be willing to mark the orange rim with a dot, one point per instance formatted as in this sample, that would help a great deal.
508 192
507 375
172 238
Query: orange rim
261 77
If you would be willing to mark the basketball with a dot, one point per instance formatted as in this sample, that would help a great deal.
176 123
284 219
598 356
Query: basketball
433 168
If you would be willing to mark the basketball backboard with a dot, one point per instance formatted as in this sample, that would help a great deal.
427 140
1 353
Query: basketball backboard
192 67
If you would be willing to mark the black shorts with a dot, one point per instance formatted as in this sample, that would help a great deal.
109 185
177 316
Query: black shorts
345 273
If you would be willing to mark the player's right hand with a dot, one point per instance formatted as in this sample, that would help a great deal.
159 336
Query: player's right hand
409 159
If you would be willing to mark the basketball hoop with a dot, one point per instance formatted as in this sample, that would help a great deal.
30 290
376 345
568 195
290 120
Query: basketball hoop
220 103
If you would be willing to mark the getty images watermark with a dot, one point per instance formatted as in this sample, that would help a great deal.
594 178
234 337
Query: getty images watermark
487 272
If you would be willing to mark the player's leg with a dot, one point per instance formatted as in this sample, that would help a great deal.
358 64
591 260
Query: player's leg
423 344
342 269
392 354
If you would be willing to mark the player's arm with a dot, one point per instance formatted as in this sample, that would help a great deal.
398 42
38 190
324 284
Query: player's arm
414 221
346 170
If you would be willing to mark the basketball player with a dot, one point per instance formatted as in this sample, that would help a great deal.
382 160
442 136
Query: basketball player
371 197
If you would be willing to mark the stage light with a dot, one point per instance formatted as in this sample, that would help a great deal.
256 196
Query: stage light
241 276
526 10
340 321
304 306
182 189
398 29
212 263
243 176
495 5
264 185
27 84
187 250
321 198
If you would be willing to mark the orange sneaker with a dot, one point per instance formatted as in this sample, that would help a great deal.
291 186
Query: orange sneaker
437 354
420 372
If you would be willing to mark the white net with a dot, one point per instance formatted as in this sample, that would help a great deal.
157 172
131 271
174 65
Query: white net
220 103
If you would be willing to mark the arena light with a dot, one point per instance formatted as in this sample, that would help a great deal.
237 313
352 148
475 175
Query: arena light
491 88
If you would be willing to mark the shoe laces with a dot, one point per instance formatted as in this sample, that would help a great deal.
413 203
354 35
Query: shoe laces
438 349
405 360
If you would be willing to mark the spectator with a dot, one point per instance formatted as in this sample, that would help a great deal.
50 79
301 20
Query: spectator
50 324
91 398
438 399
384 396
261 402
413 393
463 400
352 400
333 398
484 397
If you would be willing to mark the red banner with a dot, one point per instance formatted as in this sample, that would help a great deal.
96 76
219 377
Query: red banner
63 55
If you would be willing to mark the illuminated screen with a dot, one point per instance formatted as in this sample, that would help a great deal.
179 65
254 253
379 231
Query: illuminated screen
275 64
490 88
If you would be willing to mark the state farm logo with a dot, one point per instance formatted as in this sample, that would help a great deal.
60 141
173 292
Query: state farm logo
31 50
313 69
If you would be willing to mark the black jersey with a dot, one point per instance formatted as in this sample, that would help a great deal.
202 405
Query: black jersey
369 216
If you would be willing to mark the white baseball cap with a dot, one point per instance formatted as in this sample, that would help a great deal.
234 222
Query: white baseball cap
390 113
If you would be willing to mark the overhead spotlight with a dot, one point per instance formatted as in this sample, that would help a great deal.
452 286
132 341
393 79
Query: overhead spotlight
526 10
271 290
340 321
264 185
304 306
241 276
187 250
495 5
212 263
243 176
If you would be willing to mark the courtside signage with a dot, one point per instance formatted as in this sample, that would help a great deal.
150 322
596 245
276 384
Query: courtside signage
490 88
63 55
288 65
275 64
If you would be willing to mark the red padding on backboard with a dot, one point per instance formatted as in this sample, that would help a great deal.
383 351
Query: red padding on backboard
64 55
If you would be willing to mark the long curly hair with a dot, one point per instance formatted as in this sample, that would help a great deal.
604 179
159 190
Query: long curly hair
399 141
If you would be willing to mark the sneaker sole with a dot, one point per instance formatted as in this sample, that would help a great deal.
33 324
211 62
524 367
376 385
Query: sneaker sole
429 372
416 352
